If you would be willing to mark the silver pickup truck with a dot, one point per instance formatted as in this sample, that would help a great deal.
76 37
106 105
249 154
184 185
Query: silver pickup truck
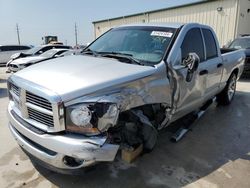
75 111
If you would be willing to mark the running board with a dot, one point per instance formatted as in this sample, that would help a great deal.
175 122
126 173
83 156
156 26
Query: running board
179 134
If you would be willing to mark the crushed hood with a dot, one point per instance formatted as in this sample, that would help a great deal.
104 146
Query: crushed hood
75 76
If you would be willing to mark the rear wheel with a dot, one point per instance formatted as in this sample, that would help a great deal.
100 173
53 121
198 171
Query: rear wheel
227 95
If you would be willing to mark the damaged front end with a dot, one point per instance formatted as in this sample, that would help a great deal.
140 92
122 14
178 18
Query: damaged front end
128 129
129 114
90 127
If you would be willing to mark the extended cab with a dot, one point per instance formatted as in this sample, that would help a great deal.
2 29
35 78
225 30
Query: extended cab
74 111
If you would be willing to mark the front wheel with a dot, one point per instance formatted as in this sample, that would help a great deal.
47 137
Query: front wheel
227 95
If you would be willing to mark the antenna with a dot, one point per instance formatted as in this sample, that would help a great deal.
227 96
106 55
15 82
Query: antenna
76 33
17 31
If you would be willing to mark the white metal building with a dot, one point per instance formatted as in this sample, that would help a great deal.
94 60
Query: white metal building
229 18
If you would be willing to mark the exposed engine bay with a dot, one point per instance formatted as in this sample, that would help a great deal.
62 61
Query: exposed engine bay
138 126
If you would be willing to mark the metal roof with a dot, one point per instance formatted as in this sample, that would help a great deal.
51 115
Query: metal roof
157 10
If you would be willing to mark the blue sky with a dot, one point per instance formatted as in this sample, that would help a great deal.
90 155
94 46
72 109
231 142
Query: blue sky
37 18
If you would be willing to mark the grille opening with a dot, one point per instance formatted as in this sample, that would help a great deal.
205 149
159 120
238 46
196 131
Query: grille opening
15 89
38 101
41 117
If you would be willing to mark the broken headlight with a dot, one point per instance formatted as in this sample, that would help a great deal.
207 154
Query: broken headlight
91 119
81 116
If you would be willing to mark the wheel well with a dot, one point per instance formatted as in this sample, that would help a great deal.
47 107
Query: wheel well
235 71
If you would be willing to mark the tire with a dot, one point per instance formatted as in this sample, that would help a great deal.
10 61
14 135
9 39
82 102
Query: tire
227 94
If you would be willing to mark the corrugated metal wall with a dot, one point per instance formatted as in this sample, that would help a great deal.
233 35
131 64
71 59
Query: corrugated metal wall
243 24
223 22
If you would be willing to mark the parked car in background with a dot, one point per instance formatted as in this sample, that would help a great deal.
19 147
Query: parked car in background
6 51
243 42
71 52
21 63
37 51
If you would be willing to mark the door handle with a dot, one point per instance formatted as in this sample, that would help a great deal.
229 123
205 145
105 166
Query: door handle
219 65
203 72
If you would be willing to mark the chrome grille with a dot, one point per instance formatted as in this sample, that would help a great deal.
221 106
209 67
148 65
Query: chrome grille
41 117
15 89
35 109
15 94
38 101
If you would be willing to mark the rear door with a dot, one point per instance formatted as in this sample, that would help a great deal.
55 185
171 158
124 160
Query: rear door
213 65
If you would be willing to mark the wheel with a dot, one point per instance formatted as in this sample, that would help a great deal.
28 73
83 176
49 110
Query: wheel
227 95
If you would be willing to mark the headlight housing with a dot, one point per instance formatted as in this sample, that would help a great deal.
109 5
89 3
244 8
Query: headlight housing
91 118
81 116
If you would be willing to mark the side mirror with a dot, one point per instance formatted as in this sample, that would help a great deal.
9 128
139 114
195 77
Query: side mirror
191 62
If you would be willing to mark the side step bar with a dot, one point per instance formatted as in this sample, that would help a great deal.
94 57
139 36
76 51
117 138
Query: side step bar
179 134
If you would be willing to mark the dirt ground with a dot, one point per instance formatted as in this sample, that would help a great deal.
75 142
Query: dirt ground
215 153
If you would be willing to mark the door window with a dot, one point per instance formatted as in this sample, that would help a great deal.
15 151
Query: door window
193 43
211 47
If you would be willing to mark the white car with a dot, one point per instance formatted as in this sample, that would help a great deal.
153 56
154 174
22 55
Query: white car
21 63
7 51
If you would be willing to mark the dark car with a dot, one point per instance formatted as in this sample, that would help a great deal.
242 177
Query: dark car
243 42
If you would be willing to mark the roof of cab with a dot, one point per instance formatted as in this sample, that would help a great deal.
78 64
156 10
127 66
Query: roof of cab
171 25
163 24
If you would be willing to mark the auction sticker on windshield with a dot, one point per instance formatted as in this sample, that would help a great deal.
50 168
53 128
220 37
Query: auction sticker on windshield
161 34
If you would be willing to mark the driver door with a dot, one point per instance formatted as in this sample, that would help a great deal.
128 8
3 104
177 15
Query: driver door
190 93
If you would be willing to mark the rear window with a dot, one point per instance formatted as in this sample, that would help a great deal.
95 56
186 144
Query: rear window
211 47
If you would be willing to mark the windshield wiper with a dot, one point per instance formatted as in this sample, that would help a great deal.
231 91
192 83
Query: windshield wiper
89 51
120 55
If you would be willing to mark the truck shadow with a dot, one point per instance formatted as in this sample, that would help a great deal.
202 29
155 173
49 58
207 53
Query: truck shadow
218 139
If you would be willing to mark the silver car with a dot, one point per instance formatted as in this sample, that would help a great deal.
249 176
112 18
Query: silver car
21 63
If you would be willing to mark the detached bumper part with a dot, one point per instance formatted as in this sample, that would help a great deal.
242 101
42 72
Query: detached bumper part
63 152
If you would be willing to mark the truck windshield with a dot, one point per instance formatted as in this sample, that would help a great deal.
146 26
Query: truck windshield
143 44
242 43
